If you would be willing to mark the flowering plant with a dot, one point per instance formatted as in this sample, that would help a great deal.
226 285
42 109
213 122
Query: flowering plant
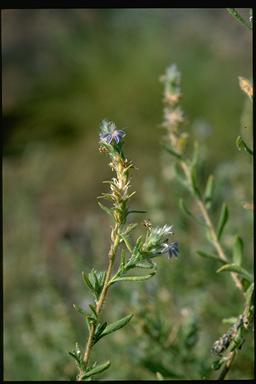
128 257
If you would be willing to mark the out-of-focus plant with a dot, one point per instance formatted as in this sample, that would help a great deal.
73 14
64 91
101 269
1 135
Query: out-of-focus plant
155 242
187 170
170 348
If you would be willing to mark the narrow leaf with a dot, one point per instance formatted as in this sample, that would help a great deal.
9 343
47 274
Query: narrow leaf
241 145
136 211
80 310
210 256
72 354
223 220
147 264
249 295
195 187
93 309
238 251
209 191
127 243
134 278
130 228
188 213
106 209
229 320
237 269
123 259
98 369
184 209
116 325
238 17
172 152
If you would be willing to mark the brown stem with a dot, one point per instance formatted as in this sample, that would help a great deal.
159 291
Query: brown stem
209 223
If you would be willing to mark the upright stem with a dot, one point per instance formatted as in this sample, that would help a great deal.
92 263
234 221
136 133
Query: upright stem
209 223
100 302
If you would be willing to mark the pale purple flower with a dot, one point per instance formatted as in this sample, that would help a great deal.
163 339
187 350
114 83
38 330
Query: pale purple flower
109 132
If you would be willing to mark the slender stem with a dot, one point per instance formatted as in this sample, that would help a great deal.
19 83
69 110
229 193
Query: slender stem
209 223
99 305
227 366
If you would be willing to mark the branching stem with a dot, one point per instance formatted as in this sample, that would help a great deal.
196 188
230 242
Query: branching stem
210 225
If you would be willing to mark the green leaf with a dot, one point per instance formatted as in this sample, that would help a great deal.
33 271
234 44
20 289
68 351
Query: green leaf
237 269
158 366
210 256
98 369
223 220
116 325
98 332
217 364
239 18
172 152
77 355
130 228
93 309
209 192
147 264
180 175
238 251
87 282
136 211
195 188
123 260
241 145
127 243
229 320
195 158
184 209
72 354
80 310
249 295
134 278
188 213
106 209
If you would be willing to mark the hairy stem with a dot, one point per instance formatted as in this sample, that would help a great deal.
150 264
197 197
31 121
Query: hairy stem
103 295
210 225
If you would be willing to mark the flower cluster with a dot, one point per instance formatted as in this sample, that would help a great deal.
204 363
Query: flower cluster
156 242
173 114
111 140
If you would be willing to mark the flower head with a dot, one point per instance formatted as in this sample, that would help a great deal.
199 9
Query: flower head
156 238
109 132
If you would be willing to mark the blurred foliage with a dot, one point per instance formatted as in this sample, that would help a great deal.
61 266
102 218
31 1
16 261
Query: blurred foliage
63 72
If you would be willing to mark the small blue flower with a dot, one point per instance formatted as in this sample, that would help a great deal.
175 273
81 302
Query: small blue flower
172 249
109 132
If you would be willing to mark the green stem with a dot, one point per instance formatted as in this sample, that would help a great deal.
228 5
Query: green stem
227 366
103 295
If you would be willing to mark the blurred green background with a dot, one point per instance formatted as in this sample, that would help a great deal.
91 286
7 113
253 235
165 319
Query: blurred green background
63 72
